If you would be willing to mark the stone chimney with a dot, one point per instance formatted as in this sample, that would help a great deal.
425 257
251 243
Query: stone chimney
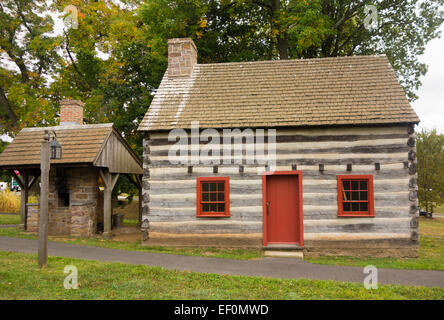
71 112
182 56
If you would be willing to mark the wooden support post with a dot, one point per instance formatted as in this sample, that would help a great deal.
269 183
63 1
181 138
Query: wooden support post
109 182
23 195
24 201
107 212
25 185
43 220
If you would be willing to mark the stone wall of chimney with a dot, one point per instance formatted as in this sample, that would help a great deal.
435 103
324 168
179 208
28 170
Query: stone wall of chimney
71 112
182 56
85 210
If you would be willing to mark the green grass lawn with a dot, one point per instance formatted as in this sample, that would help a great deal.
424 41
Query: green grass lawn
20 278
242 254
439 209
431 251
9 219
130 222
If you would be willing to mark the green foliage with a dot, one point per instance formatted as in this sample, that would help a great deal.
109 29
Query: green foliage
5 176
118 54
246 30
3 145
25 41
430 155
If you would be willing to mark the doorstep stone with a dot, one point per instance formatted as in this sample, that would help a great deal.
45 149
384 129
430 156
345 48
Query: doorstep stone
284 254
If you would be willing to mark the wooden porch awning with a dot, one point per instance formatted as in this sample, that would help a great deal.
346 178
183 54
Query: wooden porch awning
98 145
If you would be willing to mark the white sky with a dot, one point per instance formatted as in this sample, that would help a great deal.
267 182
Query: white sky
430 104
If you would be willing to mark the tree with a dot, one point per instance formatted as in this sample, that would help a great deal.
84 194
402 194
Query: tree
245 30
430 155
32 56
116 57
4 175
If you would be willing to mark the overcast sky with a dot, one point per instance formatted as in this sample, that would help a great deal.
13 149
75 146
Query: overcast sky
430 105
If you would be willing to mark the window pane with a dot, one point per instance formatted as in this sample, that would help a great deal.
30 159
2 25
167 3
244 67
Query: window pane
205 207
355 195
363 195
221 207
205 186
213 207
220 196
354 185
213 196
221 186
355 206
346 206
205 197
363 185
213 186
364 206
346 195
346 184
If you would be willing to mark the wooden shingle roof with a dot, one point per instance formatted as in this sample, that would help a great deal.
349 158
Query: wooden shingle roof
97 145
359 90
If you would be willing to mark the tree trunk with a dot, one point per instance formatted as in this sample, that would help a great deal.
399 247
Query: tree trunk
7 107
282 47
282 42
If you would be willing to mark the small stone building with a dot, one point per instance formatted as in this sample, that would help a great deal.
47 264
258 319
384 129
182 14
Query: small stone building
76 204
343 180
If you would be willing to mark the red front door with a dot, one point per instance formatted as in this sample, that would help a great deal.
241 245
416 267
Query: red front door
283 208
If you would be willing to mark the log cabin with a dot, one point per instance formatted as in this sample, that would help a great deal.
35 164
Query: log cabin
315 155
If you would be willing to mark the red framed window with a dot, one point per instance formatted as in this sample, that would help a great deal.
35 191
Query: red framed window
355 196
213 197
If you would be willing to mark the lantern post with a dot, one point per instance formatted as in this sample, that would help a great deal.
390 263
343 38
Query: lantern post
49 150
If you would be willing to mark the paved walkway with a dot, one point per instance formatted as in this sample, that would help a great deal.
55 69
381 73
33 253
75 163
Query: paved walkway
289 268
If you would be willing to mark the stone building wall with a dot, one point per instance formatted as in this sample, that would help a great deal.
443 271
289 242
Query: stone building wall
85 208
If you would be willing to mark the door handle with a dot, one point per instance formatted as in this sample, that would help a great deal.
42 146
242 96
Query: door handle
268 207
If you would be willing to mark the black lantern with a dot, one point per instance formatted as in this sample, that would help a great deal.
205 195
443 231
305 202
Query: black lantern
56 148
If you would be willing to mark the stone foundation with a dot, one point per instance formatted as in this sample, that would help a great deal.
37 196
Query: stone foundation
393 248
251 240
380 248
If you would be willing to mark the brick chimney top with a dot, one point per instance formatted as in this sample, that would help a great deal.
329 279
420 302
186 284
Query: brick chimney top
71 112
182 56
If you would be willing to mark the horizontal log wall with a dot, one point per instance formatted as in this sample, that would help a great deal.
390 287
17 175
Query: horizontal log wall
169 194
